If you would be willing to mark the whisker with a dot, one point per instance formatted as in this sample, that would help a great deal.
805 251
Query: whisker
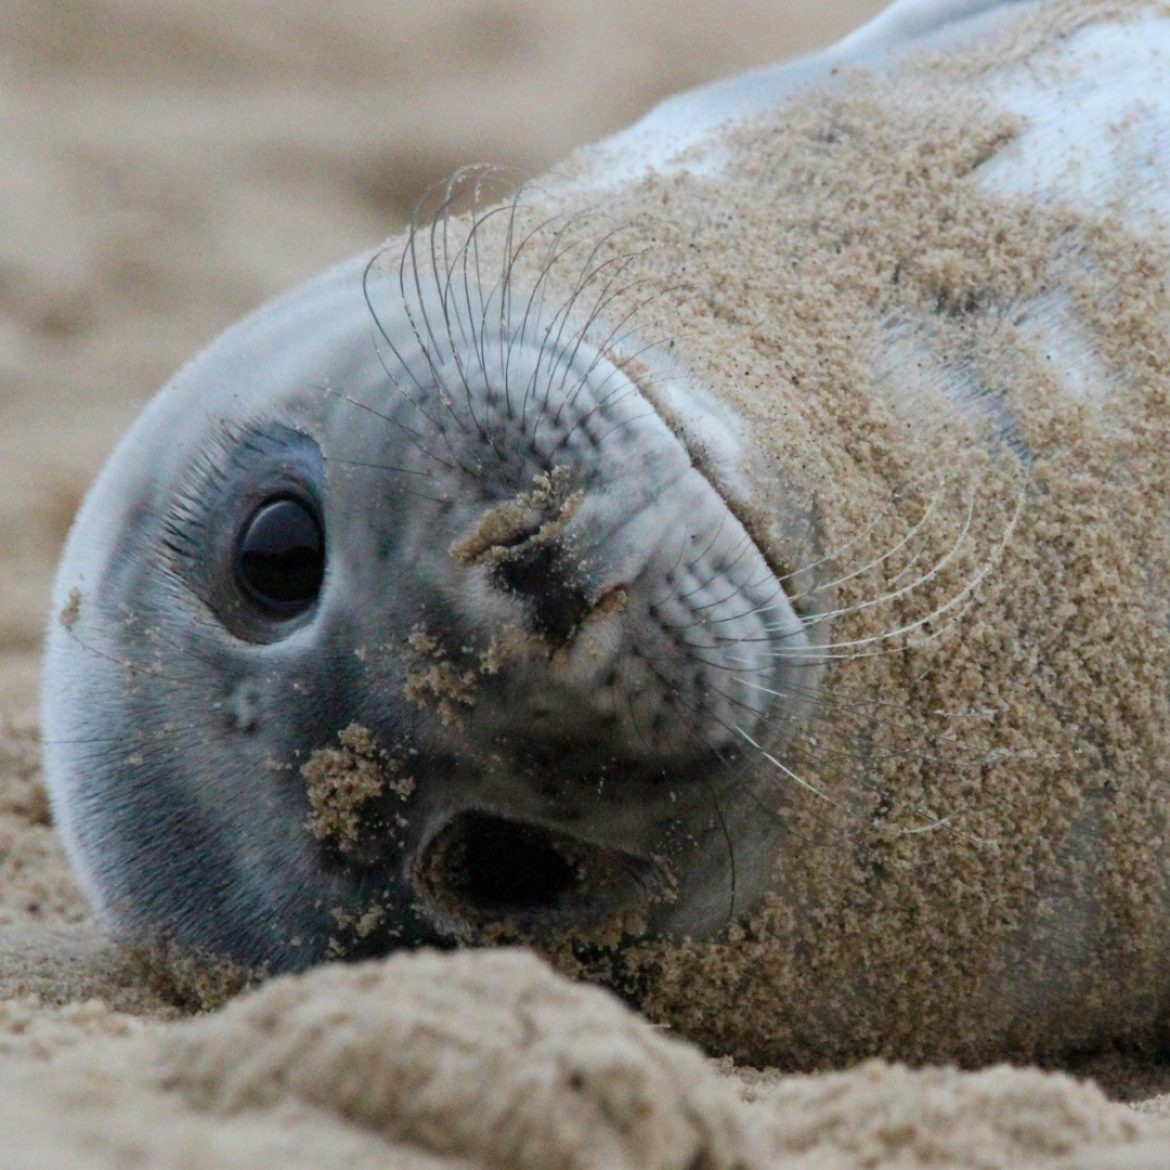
875 562
918 582
786 771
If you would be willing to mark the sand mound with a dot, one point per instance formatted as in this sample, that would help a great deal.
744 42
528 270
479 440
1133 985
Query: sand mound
489 1060
478 1055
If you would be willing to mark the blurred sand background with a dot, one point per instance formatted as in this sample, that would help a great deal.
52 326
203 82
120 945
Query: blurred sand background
164 167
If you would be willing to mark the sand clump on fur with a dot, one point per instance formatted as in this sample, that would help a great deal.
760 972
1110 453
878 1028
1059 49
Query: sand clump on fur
340 782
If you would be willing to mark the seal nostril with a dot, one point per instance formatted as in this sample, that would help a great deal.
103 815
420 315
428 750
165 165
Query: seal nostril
505 867
482 871
540 577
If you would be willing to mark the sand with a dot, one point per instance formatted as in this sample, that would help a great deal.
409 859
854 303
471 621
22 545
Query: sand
165 168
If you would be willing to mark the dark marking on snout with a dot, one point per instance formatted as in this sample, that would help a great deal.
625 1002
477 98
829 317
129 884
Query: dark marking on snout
554 593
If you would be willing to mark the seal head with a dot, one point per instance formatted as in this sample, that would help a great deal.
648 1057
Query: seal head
411 617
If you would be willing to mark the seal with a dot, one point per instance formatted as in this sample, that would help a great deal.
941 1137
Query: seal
735 567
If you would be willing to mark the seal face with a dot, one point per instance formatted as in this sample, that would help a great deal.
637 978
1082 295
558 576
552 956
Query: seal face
435 633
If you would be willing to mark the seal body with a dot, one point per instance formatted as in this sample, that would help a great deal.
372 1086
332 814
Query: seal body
736 567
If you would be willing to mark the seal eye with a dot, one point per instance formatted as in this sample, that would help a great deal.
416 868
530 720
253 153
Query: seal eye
280 557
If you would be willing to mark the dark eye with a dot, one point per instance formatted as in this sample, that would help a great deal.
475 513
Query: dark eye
280 557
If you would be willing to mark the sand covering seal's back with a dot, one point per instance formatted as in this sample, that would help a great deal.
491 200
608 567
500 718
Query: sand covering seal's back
964 392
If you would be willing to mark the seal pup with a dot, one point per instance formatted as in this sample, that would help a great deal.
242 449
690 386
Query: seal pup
735 566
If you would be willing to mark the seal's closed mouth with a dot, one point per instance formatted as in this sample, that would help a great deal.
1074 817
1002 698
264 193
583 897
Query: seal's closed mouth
482 871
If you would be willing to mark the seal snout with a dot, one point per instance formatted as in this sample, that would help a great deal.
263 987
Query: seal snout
485 873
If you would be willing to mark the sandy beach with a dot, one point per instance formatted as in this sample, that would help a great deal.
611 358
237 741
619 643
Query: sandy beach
165 168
